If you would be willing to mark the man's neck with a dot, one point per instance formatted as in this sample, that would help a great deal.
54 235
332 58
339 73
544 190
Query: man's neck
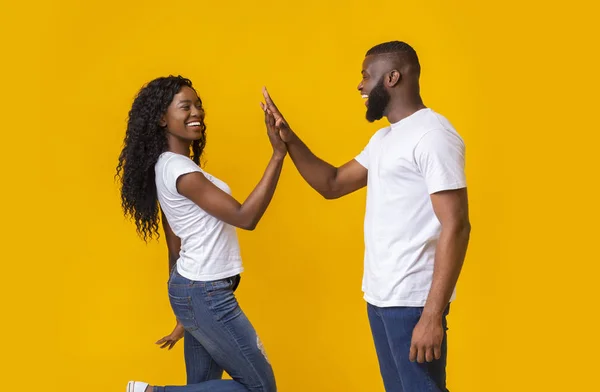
400 112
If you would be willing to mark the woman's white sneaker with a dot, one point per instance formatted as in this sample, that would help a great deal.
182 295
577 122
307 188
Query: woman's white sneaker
136 386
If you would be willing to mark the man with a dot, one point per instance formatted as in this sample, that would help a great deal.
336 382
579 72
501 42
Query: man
416 223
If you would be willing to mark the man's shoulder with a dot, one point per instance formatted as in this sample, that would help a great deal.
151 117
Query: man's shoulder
379 134
434 121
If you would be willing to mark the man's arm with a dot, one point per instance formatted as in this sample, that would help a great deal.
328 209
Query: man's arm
451 209
330 181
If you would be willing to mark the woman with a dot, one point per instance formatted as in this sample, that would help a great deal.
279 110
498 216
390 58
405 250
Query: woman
166 123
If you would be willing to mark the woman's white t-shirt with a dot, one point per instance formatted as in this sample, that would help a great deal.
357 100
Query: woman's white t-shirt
209 247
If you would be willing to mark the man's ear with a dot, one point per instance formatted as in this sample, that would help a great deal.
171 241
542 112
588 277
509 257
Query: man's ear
393 78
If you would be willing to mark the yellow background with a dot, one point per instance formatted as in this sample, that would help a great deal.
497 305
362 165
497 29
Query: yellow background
83 299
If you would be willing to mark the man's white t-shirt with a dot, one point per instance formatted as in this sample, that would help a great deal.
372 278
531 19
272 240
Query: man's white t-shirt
407 162
209 246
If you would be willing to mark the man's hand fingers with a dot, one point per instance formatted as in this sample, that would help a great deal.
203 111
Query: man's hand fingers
413 353
437 351
429 354
421 354
280 123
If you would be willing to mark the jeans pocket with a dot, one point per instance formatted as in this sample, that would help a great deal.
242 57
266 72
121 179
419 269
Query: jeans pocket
223 304
184 311
218 285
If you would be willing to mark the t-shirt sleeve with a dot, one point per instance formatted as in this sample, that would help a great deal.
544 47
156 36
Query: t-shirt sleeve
440 157
363 157
175 168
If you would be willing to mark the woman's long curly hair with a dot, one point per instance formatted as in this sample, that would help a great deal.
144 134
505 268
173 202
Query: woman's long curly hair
144 141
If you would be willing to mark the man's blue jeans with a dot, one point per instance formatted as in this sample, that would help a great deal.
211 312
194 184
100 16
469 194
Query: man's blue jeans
392 330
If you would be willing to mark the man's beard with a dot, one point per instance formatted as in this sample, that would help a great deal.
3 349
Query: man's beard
379 98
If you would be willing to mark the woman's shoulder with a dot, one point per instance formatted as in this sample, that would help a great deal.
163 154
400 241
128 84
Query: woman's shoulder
171 159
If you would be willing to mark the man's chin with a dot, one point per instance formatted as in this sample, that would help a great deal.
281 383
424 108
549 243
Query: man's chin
372 119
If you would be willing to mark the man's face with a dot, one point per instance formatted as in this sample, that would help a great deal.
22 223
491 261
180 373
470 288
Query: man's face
372 87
